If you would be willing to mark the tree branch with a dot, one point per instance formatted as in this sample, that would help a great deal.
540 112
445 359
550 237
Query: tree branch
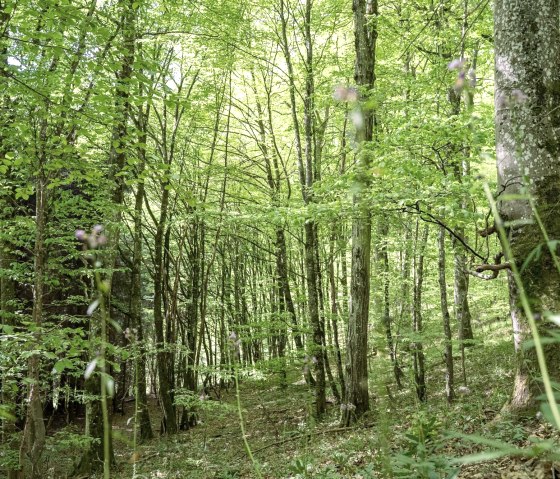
432 219
494 268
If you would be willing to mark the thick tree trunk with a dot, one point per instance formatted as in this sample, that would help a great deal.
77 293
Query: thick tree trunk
357 395
527 95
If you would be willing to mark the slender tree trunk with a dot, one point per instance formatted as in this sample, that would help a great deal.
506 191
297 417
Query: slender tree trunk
460 170
169 420
188 418
325 325
335 315
404 303
385 300
306 182
418 348
33 440
449 392
142 412
285 285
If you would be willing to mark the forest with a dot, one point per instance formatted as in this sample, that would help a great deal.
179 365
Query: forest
279 239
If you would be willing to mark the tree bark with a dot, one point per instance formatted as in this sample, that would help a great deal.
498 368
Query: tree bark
142 412
418 348
169 420
306 175
33 440
385 300
449 392
357 395
527 95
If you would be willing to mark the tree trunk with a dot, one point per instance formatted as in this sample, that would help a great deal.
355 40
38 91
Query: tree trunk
169 421
33 439
306 181
142 411
418 348
384 299
449 393
335 316
357 396
188 418
527 95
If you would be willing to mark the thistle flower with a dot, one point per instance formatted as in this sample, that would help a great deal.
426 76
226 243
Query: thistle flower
456 64
342 93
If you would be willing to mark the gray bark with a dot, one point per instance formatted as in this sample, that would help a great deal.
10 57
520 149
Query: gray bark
383 298
527 95
418 348
142 412
306 176
357 396
449 393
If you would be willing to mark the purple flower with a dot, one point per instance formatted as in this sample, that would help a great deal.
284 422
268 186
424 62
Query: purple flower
456 64
460 82
81 235
97 229
342 93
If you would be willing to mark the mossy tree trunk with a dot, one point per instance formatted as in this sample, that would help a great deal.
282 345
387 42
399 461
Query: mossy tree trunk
527 121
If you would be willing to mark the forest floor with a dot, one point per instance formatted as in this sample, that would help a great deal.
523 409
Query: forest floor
400 438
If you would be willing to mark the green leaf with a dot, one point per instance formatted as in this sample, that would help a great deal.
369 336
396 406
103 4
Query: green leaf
61 365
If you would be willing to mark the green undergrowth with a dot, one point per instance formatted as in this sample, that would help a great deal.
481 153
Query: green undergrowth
398 438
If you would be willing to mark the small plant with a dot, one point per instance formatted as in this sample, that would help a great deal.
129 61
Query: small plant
421 458
301 467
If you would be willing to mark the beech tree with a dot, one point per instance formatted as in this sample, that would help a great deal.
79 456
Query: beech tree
357 395
527 95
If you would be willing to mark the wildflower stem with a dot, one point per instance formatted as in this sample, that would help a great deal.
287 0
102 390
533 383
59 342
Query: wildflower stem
242 425
104 408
